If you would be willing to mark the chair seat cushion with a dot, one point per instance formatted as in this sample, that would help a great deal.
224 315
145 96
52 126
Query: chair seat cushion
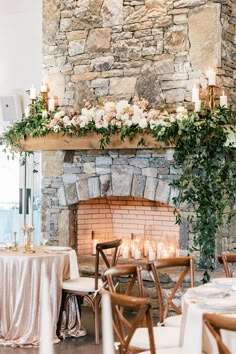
85 284
165 337
173 321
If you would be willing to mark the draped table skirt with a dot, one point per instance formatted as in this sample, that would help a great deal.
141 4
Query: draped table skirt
21 282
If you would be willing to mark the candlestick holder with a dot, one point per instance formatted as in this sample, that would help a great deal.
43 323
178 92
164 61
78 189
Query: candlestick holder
14 247
28 240
211 98
44 95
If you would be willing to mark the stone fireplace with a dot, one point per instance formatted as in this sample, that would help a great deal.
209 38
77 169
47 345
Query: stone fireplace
121 48
114 193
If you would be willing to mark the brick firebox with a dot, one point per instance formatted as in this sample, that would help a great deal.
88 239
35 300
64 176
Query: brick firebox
128 191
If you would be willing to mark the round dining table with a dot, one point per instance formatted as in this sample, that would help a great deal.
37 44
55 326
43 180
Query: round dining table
216 297
22 278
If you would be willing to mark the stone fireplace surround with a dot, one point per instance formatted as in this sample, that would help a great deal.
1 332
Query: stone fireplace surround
138 178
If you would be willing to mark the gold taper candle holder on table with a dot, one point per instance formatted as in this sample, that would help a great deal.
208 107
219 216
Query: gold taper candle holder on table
28 241
14 247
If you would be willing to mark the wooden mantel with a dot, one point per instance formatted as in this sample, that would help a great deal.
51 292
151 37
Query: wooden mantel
61 141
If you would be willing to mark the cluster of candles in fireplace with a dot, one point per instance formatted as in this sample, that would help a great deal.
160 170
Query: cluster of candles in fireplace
138 249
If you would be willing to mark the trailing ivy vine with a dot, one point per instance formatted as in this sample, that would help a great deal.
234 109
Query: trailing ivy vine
206 183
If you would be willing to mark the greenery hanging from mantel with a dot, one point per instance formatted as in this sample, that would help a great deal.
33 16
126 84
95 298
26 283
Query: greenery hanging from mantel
207 182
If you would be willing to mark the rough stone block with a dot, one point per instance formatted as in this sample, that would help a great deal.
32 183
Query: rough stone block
162 192
103 170
99 40
102 63
201 30
103 160
71 194
123 87
76 47
139 162
89 167
122 177
149 172
112 13
105 182
138 186
94 187
82 189
63 227
150 188
62 196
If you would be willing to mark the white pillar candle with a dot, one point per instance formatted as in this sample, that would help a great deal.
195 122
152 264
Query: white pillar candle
51 104
33 93
197 106
195 93
44 88
151 254
211 75
95 242
107 328
223 100
137 253
125 252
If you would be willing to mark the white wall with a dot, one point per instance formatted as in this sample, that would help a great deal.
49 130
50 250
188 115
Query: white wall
20 45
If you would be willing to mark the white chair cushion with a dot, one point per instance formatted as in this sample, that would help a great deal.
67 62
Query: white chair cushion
173 321
81 284
165 337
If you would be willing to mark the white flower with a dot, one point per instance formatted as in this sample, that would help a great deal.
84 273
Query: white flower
109 105
181 109
66 121
59 114
143 123
122 106
124 117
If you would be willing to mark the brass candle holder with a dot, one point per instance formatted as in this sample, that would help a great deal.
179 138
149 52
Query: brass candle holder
28 241
14 247
211 98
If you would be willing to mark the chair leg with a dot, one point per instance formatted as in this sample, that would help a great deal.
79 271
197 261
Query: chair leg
96 318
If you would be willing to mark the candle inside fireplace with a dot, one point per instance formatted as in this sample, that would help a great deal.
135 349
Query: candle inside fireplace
95 242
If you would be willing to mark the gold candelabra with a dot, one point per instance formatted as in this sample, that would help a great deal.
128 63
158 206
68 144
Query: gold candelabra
28 241
14 247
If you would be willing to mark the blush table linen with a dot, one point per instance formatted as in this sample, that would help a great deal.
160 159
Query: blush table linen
21 283
195 338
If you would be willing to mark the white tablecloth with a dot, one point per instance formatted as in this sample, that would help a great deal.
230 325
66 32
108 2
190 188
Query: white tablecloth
195 337
21 279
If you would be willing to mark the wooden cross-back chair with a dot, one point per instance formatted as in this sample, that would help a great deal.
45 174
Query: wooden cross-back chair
131 275
227 259
165 301
216 322
125 327
89 287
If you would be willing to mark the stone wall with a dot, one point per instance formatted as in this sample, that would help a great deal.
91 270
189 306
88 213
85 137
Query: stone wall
154 48
82 175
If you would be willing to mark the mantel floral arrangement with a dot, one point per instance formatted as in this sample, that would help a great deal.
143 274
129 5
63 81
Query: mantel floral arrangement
207 182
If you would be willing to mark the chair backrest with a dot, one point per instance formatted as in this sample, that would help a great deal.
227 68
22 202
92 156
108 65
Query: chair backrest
109 261
226 259
185 265
124 326
216 322
130 272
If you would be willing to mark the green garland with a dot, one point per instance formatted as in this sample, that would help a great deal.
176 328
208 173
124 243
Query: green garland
207 182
